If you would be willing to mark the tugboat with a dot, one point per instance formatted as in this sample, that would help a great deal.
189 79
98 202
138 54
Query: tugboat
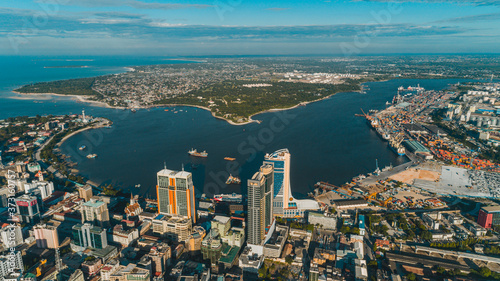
194 152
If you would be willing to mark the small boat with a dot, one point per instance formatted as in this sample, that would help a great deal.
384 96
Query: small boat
133 110
194 152
91 156
166 109
82 147
229 158
233 180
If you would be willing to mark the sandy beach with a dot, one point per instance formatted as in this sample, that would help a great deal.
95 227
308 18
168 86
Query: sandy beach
82 98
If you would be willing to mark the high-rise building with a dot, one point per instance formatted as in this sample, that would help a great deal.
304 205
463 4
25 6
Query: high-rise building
96 212
27 208
260 193
46 188
88 236
46 236
175 193
284 204
85 192
12 235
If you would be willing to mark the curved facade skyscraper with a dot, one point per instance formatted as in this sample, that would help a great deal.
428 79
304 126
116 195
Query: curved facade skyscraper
284 204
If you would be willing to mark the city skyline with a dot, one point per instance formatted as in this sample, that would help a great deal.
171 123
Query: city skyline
242 28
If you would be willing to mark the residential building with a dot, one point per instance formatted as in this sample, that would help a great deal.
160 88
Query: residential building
175 193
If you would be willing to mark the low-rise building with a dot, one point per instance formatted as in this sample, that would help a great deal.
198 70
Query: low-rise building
274 245
123 236
176 228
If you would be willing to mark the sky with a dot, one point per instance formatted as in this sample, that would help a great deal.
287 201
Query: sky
242 27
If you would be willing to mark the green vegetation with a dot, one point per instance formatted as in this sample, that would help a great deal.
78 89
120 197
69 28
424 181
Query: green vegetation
237 103
110 190
347 230
82 86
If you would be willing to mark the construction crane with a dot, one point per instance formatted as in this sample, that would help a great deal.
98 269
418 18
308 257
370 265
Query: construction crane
39 267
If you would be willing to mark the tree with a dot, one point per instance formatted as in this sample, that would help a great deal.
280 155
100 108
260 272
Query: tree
440 270
289 259
411 276
485 272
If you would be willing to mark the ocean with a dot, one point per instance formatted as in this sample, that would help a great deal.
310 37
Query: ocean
326 140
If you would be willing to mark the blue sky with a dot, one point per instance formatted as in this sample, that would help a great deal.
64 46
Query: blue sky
242 27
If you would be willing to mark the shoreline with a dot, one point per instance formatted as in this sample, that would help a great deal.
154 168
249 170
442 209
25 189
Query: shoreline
84 99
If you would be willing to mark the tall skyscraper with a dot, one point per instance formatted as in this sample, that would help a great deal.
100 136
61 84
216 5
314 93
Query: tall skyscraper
284 204
260 193
175 193
95 211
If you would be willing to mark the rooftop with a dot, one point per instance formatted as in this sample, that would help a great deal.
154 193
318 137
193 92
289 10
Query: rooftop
93 203
222 219
173 174
491 209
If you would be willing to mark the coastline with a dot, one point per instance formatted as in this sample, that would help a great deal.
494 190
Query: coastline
79 98
85 99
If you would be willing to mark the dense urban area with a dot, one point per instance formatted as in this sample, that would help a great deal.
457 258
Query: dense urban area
237 88
435 217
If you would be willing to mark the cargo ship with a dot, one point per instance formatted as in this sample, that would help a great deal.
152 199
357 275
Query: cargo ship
233 180
232 198
229 158
82 147
91 156
194 152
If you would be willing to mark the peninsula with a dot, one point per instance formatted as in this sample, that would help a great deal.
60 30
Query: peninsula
235 89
